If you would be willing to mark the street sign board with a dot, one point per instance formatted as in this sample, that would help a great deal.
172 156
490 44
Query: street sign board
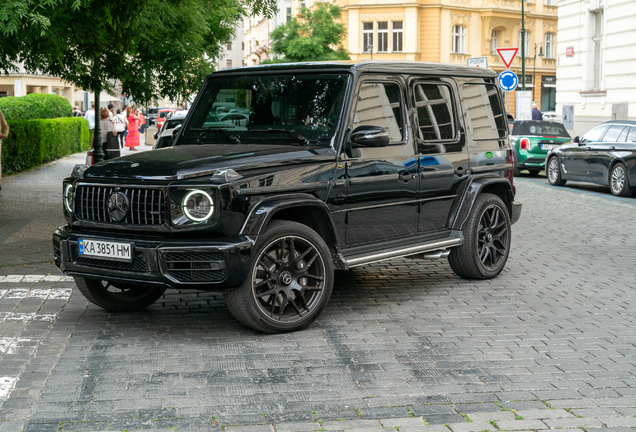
480 62
523 104
569 51
507 55
508 80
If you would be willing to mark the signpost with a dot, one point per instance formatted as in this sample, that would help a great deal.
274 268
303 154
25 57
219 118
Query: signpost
507 55
508 80
523 104
480 62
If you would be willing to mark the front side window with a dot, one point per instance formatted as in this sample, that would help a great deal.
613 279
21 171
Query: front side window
383 36
398 36
380 104
282 109
549 45
459 39
367 36
486 118
435 118
594 135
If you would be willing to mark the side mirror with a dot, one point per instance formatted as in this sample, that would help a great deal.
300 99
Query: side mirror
175 132
576 140
156 135
369 136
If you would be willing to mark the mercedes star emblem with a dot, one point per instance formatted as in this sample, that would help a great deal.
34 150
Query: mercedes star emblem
117 206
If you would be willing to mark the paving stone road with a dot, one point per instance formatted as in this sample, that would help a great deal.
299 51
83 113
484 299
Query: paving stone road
549 344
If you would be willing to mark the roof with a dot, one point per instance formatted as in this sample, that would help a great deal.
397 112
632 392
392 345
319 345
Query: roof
623 122
370 66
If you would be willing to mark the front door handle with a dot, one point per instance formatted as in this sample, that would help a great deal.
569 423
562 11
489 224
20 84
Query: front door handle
588 148
612 148
406 176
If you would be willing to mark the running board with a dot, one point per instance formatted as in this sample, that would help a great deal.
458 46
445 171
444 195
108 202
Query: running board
438 246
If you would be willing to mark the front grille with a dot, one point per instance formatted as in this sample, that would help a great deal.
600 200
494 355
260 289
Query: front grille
138 263
195 266
145 206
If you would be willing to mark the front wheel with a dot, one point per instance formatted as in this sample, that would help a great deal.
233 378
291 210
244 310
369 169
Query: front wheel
289 283
120 298
619 183
486 246
554 172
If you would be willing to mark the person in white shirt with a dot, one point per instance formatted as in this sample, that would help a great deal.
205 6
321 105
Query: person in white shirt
90 116
120 123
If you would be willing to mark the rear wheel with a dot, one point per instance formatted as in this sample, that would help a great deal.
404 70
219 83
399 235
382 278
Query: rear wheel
486 244
554 172
120 298
290 280
619 182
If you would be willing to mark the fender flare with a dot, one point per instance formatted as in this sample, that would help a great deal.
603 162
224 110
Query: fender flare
463 207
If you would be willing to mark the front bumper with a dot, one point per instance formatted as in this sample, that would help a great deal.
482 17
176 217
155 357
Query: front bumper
211 264
516 212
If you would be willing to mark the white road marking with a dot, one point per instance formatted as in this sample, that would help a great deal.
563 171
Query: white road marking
7 384
34 278
17 293
60 293
40 293
20 317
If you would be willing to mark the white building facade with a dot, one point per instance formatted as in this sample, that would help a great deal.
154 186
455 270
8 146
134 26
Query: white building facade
596 62
233 54
258 30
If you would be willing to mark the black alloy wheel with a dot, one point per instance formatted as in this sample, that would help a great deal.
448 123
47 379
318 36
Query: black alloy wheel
554 172
619 181
487 235
120 297
290 281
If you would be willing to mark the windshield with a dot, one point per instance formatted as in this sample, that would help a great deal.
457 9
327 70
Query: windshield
540 128
301 109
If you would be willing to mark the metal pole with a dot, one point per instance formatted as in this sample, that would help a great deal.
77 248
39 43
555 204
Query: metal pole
523 47
534 70
98 153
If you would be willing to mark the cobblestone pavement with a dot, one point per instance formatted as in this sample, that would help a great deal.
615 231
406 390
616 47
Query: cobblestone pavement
549 344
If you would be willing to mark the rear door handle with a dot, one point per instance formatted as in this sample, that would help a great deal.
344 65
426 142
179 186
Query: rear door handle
588 148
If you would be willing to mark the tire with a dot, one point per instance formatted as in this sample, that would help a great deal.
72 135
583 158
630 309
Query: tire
516 171
553 172
486 246
124 298
263 301
619 181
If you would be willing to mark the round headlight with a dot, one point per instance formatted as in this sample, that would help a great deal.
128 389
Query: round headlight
69 190
198 206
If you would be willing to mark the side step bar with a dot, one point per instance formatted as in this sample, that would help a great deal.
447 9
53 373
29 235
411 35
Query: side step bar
437 247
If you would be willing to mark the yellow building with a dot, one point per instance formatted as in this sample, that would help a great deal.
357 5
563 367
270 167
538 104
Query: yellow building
451 31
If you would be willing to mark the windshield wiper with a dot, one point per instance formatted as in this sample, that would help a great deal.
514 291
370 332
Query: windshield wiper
291 132
225 132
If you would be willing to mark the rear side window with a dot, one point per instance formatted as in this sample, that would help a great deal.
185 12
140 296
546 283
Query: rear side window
613 132
632 135
380 104
595 134
436 119
485 116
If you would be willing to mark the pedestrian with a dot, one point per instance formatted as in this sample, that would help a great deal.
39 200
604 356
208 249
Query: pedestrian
121 124
536 114
108 128
142 122
110 111
132 139
4 132
90 116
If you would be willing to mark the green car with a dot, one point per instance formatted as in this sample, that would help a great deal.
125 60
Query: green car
531 140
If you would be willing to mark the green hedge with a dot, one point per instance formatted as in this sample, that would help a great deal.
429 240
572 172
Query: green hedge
35 106
34 142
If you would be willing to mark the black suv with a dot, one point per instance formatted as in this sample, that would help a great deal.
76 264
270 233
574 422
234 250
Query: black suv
340 165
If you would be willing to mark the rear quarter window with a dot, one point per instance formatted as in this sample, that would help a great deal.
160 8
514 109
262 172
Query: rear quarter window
485 116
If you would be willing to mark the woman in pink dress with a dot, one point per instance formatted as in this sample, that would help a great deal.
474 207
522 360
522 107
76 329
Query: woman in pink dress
132 140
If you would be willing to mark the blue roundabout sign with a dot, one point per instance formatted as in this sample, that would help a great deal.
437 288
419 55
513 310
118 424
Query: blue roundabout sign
508 80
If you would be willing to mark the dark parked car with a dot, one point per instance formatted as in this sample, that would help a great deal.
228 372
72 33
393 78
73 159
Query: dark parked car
605 155
531 140
340 165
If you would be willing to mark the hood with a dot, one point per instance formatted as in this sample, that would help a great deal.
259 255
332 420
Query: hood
190 161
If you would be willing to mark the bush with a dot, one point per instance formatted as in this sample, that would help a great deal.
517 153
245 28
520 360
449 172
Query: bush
35 106
34 142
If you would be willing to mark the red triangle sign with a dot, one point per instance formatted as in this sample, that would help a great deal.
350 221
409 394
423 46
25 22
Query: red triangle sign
507 55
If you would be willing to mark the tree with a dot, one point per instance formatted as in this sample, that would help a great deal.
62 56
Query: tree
156 48
317 35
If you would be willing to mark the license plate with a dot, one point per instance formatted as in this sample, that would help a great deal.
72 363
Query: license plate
106 250
548 146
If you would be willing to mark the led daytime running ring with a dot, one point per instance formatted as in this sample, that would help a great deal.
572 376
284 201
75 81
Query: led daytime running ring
68 198
187 213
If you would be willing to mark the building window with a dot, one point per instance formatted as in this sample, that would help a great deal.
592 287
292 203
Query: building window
242 46
302 5
526 45
398 36
597 45
550 2
549 45
289 15
459 39
229 47
383 36
367 37
228 64
493 42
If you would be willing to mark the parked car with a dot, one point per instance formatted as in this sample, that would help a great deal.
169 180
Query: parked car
152 115
237 119
341 165
549 116
605 155
531 140
162 114
170 123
